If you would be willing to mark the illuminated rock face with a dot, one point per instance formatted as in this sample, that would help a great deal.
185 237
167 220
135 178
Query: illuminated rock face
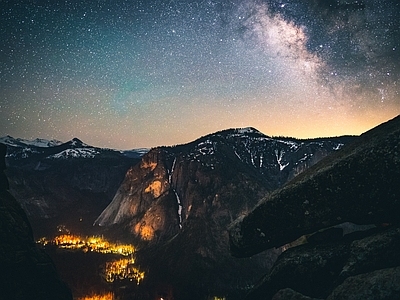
144 199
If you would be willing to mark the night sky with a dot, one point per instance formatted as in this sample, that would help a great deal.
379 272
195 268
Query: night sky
128 74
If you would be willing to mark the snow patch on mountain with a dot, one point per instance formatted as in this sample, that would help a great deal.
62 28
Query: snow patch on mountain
338 146
43 142
293 145
135 153
246 130
75 153
279 156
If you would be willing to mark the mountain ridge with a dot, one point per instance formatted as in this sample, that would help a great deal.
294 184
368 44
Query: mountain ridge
26 271
249 142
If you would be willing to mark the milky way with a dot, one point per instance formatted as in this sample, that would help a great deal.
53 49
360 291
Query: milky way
128 74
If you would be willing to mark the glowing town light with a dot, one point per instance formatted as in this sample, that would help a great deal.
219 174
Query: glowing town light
123 269
107 296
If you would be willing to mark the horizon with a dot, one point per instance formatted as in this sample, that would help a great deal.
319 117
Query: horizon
187 142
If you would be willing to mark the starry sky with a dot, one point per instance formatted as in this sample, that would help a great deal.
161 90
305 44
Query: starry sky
126 74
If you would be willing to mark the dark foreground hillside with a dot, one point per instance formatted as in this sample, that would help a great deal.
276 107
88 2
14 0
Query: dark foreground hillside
26 272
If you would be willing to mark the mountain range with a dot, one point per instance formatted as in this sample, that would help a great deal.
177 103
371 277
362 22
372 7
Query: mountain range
233 157
177 202
173 203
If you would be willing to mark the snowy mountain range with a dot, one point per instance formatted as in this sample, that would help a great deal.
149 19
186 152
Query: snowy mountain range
53 149
18 142
219 157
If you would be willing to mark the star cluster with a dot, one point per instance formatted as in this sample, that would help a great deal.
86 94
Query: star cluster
128 74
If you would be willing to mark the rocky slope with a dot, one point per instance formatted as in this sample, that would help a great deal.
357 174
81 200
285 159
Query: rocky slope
177 202
359 184
26 271
64 183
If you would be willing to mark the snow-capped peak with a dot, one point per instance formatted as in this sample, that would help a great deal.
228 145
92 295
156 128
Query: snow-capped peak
78 143
246 130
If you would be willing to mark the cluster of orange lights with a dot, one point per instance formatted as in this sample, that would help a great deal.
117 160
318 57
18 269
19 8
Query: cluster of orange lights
115 270
94 243
123 269
107 296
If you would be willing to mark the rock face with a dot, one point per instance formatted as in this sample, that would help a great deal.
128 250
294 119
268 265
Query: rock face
380 284
143 183
289 294
308 269
64 183
177 202
358 184
356 267
26 271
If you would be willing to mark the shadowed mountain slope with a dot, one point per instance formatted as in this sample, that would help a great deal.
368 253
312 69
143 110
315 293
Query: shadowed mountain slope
359 184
